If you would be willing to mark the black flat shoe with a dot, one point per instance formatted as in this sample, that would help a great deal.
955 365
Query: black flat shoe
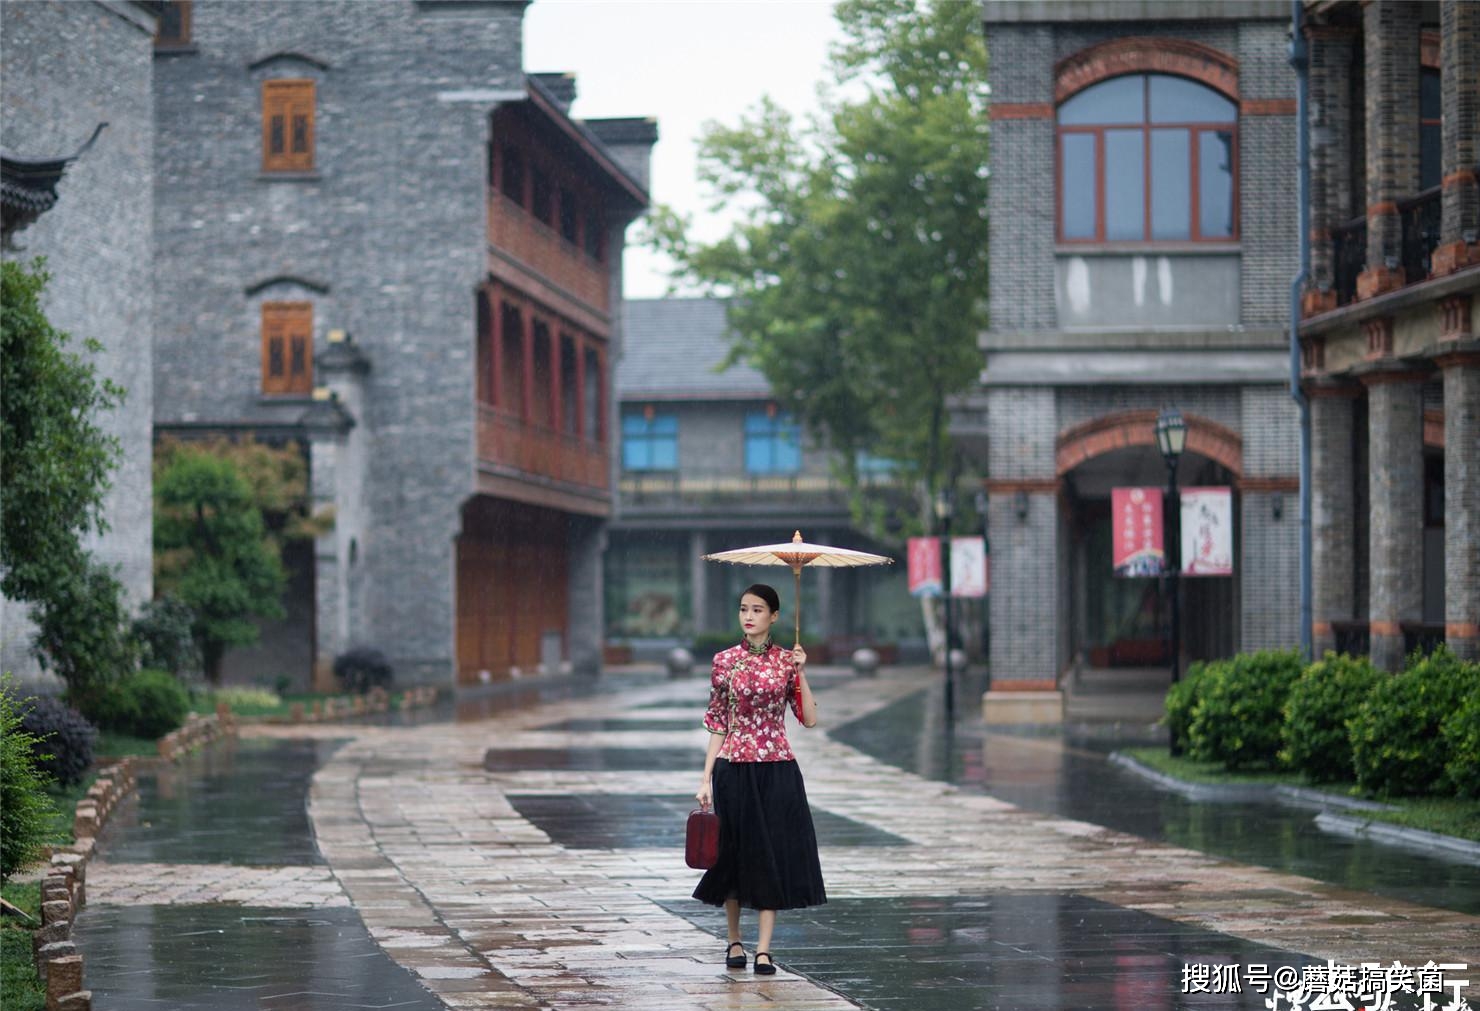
769 969
735 961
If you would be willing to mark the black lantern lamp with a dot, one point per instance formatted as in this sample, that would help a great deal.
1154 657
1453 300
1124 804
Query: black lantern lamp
1171 439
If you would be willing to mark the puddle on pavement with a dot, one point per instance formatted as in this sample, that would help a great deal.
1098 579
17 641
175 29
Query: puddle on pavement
636 759
1026 952
238 958
239 801
654 821
1038 770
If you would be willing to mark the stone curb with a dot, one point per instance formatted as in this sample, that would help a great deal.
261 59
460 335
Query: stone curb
342 707
1400 835
63 889
1322 801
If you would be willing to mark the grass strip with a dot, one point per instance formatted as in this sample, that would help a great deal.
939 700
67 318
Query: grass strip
18 981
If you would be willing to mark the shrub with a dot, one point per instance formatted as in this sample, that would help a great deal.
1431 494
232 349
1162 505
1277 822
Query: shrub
25 809
82 632
164 632
1395 735
361 669
65 736
1180 700
148 704
247 698
1322 701
706 644
1240 709
1461 736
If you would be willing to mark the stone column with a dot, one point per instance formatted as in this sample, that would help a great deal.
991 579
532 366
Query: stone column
1390 31
1459 357
1331 203
587 543
1395 475
1333 520
1459 81
699 581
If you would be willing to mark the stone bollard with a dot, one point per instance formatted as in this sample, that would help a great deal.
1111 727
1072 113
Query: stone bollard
295 713
56 911
79 1001
85 821
865 662
680 662
361 706
63 978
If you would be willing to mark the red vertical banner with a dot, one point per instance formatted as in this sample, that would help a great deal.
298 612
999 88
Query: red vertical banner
925 567
1136 525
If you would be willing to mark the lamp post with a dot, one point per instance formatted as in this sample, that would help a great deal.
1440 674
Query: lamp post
1171 439
943 510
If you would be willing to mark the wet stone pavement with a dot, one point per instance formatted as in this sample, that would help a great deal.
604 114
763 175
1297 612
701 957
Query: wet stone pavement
525 852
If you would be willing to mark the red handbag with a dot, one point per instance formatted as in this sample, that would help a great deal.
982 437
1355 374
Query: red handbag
701 839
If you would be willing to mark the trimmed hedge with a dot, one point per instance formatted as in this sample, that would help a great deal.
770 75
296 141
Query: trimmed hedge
147 704
1321 703
1397 749
1239 714
1180 700
1461 735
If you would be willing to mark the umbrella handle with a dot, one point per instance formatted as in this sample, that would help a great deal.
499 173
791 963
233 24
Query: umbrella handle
797 570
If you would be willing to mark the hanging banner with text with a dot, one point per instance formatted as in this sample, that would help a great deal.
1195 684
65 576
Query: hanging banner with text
1207 532
1136 525
924 568
968 566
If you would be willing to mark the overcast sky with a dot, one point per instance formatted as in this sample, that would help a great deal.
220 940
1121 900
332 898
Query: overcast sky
683 62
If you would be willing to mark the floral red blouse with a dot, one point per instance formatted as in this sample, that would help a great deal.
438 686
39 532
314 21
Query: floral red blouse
747 699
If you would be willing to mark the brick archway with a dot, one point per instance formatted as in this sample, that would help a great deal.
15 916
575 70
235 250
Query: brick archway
1126 429
1146 55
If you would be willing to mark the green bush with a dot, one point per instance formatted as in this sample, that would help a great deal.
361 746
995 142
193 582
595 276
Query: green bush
82 633
1180 700
1395 736
65 736
1322 701
25 808
164 630
147 704
1461 736
1240 709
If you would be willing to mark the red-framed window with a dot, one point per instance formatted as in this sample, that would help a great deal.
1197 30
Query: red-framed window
1147 158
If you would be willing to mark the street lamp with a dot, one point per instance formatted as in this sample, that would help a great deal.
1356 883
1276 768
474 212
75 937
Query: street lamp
1171 439
943 509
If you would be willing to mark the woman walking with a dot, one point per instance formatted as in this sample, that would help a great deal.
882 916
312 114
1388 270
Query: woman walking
767 845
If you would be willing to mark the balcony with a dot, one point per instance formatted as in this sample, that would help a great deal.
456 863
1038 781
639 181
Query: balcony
536 451
1421 223
541 249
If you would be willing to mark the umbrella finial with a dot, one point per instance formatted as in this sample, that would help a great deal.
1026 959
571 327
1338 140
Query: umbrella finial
796 538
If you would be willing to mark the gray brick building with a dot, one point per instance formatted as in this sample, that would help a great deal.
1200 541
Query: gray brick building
1390 355
378 239
68 68
1143 240
708 461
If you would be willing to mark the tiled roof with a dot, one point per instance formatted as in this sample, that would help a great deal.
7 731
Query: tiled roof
672 348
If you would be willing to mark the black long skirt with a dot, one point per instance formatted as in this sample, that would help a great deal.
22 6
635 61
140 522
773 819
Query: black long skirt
767 845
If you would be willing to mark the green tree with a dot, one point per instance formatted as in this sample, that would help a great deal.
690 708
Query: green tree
211 552
858 270
55 462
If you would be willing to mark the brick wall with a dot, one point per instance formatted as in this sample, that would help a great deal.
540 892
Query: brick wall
1391 44
1395 423
391 222
1333 519
1462 506
97 239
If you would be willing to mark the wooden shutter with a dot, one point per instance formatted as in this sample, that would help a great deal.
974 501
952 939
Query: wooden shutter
174 24
287 125
287 347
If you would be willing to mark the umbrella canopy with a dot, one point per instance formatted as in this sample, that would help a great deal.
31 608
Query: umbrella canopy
796 554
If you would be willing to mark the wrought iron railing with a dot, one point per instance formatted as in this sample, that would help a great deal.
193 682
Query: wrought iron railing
1421 220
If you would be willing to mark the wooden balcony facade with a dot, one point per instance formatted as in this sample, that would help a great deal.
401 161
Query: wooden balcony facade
514 233
509 445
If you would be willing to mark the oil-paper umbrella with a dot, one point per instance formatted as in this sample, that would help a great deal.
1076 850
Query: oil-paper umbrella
798 553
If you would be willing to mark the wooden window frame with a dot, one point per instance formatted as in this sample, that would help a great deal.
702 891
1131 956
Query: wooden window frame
1194 128
287 341
288 104
182 39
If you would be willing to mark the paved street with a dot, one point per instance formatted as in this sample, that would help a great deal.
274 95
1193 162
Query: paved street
533 859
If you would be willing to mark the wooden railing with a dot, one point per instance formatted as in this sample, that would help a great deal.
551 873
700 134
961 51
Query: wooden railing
536 450
541 248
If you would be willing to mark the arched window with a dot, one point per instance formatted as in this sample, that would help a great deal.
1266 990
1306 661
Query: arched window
1148 158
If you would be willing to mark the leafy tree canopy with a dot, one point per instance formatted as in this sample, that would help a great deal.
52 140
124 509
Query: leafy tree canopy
857 272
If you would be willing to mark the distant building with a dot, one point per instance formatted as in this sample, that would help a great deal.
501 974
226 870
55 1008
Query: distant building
710 461
1143 240
77 112
378 239
1390 355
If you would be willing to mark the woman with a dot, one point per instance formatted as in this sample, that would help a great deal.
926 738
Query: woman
767 846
